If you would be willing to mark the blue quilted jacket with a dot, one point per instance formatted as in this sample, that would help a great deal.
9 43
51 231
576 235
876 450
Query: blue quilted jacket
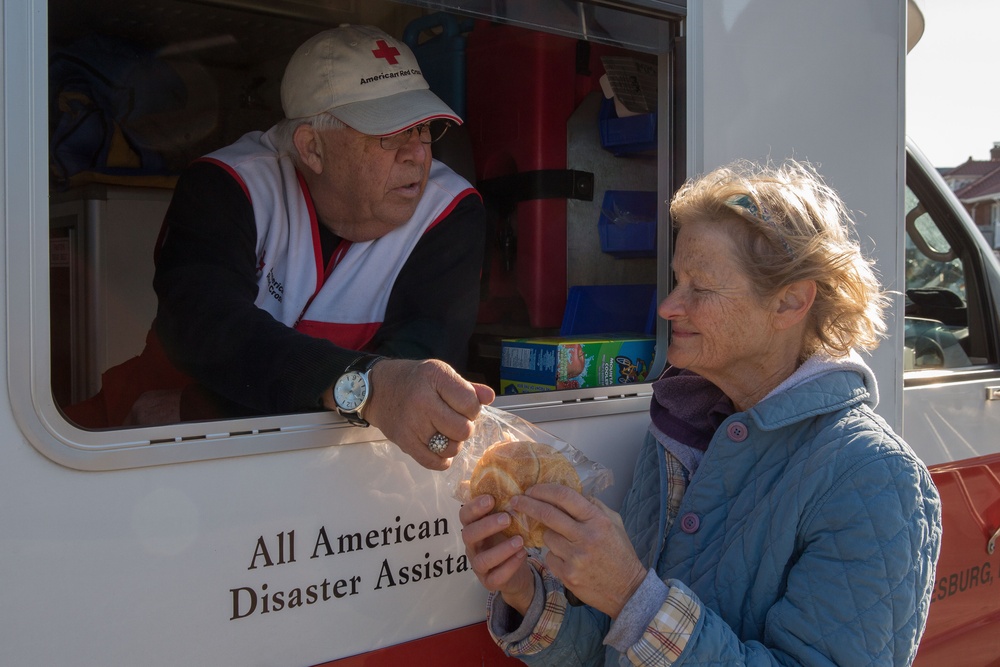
808 535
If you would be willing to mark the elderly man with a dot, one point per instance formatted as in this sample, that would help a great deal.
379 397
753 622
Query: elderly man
315 264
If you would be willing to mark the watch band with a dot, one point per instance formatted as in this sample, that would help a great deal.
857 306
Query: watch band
363 363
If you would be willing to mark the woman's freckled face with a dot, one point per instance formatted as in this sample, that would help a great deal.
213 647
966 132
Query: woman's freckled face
719 328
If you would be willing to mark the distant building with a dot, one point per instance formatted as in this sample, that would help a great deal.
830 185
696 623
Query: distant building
976 183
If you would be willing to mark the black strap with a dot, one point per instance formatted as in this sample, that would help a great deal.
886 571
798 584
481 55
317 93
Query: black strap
363 363
504 192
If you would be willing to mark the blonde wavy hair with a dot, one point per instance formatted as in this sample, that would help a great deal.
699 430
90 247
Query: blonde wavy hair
789 226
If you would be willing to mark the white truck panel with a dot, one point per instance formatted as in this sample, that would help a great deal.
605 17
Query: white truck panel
829 91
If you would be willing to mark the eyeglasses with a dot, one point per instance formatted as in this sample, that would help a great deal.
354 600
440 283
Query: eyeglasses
428 133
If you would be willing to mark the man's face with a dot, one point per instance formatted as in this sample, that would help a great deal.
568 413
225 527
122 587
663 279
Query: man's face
366 191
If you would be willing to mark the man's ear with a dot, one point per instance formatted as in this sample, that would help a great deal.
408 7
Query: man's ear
794 302
309 147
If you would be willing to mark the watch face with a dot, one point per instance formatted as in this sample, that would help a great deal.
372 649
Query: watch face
350 391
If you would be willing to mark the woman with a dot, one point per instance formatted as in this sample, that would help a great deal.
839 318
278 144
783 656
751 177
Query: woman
774 518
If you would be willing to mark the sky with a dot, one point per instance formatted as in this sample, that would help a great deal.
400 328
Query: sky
952 76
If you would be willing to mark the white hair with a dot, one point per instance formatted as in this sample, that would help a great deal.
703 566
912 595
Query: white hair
284 131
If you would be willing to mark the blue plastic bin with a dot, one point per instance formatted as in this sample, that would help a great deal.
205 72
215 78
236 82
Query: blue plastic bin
607 309
626 136
627 225
442 56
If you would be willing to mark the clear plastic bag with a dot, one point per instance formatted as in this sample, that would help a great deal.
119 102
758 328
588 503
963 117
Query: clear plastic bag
494 425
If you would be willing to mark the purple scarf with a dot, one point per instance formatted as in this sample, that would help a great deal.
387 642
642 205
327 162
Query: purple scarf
687 407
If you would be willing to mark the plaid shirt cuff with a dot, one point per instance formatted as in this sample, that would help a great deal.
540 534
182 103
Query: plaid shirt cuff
544 630
667 635
631 623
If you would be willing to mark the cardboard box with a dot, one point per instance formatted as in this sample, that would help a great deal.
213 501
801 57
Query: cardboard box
544 364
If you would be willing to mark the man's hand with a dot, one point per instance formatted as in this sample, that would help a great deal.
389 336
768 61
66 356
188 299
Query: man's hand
413 400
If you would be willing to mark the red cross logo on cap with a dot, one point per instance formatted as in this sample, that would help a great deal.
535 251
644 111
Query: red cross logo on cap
386 51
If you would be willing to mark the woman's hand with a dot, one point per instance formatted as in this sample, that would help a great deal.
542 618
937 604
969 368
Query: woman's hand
501 564
589 550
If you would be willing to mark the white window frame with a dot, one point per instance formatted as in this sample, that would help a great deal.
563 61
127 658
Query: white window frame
25 220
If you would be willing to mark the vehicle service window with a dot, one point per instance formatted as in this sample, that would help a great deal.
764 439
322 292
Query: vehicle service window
574 184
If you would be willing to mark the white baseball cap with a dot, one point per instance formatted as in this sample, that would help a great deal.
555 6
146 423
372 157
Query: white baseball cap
363 77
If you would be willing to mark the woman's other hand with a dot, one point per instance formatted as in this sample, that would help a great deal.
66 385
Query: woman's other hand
589 550
499 562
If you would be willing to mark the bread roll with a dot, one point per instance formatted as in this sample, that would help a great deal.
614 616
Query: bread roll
509 469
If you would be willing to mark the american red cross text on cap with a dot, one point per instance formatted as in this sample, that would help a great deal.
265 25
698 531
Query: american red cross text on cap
386 51
362 76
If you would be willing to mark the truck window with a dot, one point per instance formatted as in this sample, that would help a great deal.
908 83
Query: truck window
574 186
945 320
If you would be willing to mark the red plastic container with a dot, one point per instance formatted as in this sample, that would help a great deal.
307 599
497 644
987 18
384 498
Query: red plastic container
522 88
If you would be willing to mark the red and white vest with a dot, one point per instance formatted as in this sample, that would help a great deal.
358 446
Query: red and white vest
345 301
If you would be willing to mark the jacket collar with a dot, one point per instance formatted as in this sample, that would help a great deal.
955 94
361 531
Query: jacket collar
831 383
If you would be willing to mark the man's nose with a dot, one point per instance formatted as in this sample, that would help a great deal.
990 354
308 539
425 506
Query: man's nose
413 149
